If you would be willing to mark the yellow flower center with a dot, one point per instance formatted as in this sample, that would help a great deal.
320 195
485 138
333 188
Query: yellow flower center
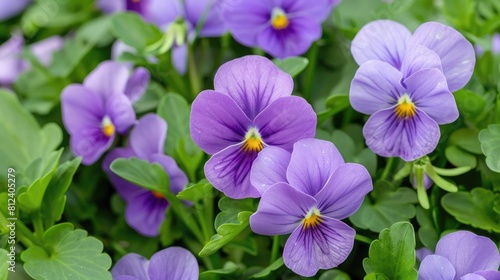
158 195
313 219
107 127
279 19
405 108
253 141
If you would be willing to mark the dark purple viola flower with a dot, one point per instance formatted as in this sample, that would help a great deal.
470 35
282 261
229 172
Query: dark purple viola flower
11 61
388 41
281 28
406 98
173 263
307 193
462 255
10 8
145 210
95 111
250 108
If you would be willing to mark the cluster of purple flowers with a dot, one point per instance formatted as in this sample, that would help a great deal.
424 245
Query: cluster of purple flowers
405 82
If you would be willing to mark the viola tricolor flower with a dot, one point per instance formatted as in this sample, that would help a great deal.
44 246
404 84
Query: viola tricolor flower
281 28
145 210
173 263
250 108
94 112
462 255
404 83
307 193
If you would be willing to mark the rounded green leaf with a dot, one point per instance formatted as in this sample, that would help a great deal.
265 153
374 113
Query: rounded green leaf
490 145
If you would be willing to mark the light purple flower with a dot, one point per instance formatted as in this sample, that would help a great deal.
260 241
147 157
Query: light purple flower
495 45
145 210
95 111
307 193
250 108
44 49
462 255
11 61
173 263
281 28
9 8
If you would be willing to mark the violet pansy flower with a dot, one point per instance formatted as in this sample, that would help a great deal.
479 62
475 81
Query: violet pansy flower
173 263
99 108
11 61
250 108
307 193
462 255
145 211
281 28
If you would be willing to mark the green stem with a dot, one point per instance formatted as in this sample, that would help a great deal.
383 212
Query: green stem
363 239
194 78
309 74
25 235
38 226
275 249
388 167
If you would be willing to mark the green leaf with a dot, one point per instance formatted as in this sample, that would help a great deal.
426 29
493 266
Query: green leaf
376 276
131 29
266 271
97 32
335 104
475 208
393 254
67 254
334 274
470 104
467 139
196 193
459 157
228 269
426 232
151 176
386 208
490 146
459 12
230 208
292 65
4 265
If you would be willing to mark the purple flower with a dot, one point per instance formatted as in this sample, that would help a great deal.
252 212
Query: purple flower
251 108
10 8
95 111
495 45
173 263
307 193
145 210
281 28
44 49
462 255
11 61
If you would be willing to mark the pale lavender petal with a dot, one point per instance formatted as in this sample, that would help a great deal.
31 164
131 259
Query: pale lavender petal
119 109
285 121
9 9
321 247
253 82
429 91
422 253
472 276
90 144
111 6
131 264
162 13
376 86
281 209
303 9
137 84
145 213
178 179
456 53
173 263
435 267
127 277
489 274
229 172
118 48
180 58
210 9
468 252
108 78
269 168
246 19
217 122
311 165
10 59
81 108
383 40
148 136
344 192
44 49
410 139
495 48
418 58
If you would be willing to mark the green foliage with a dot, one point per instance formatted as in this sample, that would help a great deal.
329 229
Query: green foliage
292 65
490 146
393 254
4 264
266 271
67 254
151 176
131 29
334 274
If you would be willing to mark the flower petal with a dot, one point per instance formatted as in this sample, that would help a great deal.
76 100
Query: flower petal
111 6
468 252
303 8
90 144
456 53
422 253
344 192
172 264
321 247
472 276
108 78
229 172
410 139
10 58
213 25
180 58
383 40
145 214
81 108
9 9
489 274
162 13
137 84
376 86
253 82
148 136
285 121
44 49
429 91
311 165
246 19
131 264
217 122
281 209
435 267
418 58
120 110
269 168
178 179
